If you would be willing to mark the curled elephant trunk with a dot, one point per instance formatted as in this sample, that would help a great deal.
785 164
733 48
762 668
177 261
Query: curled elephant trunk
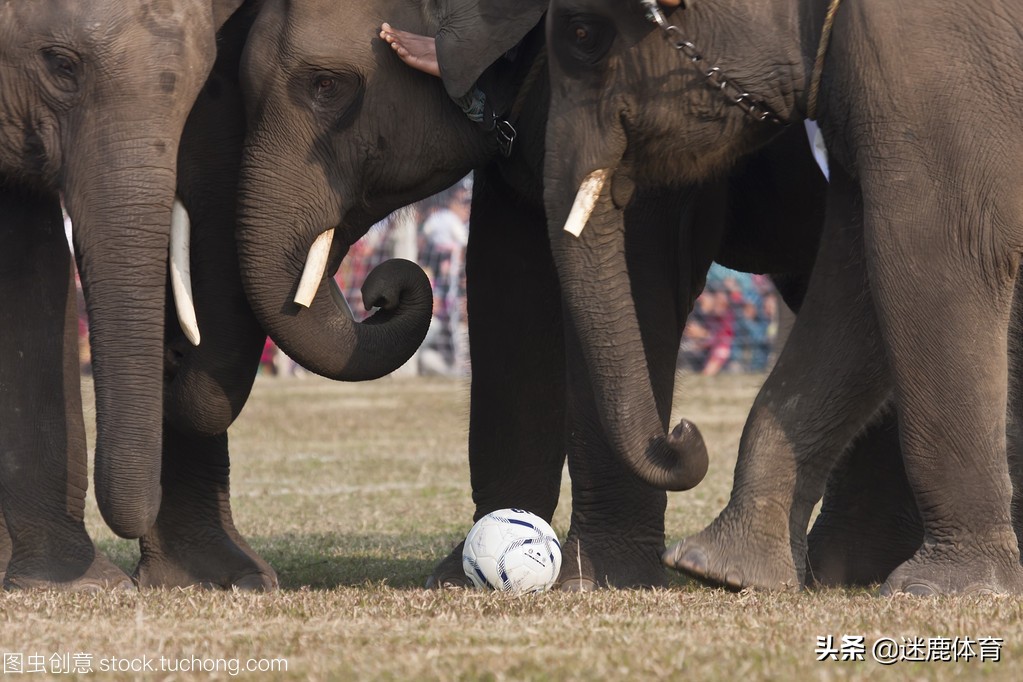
299 306
590 255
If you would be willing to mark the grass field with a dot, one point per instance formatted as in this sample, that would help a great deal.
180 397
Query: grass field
353 492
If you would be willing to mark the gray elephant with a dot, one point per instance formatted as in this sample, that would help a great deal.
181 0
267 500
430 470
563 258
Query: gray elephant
341 133
914 280
93 100
194 540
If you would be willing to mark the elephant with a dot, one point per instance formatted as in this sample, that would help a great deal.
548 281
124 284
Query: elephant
194 540
92 105
913 284
341 133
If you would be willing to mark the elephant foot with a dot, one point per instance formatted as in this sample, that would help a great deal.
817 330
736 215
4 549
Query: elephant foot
960 568
736 556
858 552
222 567
68 574
590 564
223 562
448 574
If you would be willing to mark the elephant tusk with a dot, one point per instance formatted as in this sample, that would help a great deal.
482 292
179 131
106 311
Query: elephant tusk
180 271
585 200
315 266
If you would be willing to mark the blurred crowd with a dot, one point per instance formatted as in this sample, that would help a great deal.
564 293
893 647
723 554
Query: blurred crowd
733 326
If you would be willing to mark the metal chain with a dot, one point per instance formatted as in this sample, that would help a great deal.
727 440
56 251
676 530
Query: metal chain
716 78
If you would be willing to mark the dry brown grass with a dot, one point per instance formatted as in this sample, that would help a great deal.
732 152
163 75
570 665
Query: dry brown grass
354 491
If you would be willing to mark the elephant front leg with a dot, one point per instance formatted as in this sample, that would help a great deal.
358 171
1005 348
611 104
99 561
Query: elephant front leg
617 530
43 472
869 523
194 541
831 377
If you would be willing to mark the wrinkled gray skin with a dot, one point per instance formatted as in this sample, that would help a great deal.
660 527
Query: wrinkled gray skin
93 99
383 135
194 540
289 196
914 280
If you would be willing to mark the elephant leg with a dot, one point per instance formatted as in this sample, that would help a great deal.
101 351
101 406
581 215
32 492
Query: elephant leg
617 529
868 523
617 532
517 399
194 540
942 278
43 465
830 379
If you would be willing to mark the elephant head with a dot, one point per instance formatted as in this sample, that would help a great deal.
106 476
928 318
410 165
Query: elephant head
630 107
340 134
93 99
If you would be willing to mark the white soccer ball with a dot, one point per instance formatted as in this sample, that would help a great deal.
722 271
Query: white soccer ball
512 551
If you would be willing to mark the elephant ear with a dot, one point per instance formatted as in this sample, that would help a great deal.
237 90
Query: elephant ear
222 11
474 33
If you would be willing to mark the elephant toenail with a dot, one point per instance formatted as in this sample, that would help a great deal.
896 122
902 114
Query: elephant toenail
694 561
253 583
445 583
578 585
919 590
733 579
670 556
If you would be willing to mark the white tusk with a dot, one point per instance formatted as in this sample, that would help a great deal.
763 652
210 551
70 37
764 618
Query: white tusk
315 266
585 200
180 271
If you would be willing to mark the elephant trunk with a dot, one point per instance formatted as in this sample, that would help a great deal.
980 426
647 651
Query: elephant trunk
590 255
121 220
319 332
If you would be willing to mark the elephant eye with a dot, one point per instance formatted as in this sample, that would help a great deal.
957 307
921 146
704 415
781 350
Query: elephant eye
589 38
335 95
326 85
63 66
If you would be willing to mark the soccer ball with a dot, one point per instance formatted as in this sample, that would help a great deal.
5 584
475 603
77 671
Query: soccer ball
512 551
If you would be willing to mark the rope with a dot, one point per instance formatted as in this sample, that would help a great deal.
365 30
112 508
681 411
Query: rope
818 65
